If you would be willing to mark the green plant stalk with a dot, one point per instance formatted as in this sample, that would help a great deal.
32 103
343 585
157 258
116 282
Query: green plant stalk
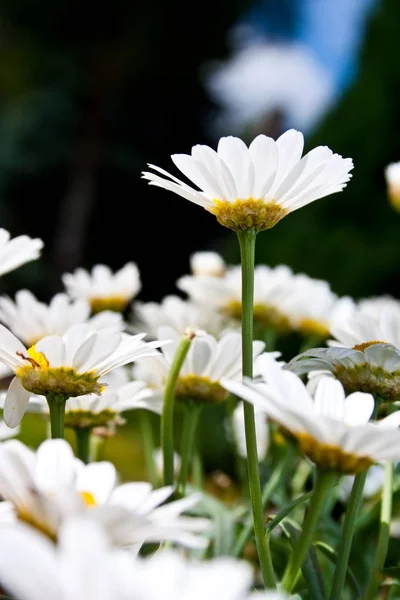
324 480
277 476
56 404
83 435
247 242
148 447
167 416
190 422
384 534
346 537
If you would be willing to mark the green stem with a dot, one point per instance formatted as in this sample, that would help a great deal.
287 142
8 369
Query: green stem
197 470
247 242
384 534
83 435
191 419
277 476
56 404
324 481
346 537
167 416
148 446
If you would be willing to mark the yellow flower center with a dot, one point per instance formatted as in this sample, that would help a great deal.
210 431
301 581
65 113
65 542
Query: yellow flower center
200 389
313 327
251 213
365 345
87 419
35 521
114 303
331 458
265 315
88 499
38 377
394 196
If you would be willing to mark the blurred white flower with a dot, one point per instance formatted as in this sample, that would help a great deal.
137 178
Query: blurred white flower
51 485
262 432
82 566
102 288
207 263
373 483
17 251
376 306
392 176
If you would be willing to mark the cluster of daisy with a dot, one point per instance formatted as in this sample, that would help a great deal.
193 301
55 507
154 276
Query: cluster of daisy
311 442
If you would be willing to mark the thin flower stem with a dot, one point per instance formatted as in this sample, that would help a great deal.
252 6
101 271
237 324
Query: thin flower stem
167 416
56 404
83 435
276 478
247 242
148 447
346 537
190 422
197 470
323 483
384 534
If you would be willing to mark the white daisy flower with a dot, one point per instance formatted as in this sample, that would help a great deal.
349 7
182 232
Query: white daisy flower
262 432
31 320
70 365
392 177
51 485
207 362
330 429
177 313
358 330
207 263
102 288
82 566
255 187
312 308
17 251
224 294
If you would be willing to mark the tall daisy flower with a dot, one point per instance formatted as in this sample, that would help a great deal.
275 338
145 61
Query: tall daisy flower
63 367
103 289
392 177
17 251
83 566
255 187
50 486
31 320
250 189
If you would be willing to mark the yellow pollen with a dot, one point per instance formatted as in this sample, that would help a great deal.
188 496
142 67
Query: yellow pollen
266 316
88 499
114 303
250 213
36 359
200 389
331 458
314 327
362 347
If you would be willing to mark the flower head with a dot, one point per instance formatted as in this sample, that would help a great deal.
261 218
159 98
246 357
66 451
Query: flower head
207 362
18 251
392 176
66 366
255 187
104 289
51 485
83 566
207 263
31 320
330 429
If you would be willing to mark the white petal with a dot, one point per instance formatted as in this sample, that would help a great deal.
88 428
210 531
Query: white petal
53 348
97 479
358 408
329 398
55 465
16 403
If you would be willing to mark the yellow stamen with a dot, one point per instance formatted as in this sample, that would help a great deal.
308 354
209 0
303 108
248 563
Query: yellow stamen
331 458
114 303
88 499
313 327
266 316
362 347
250 213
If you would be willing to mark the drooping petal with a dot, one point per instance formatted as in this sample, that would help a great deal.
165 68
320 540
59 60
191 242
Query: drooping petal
16 403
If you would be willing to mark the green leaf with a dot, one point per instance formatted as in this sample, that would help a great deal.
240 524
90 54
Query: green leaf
331 554
286 511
